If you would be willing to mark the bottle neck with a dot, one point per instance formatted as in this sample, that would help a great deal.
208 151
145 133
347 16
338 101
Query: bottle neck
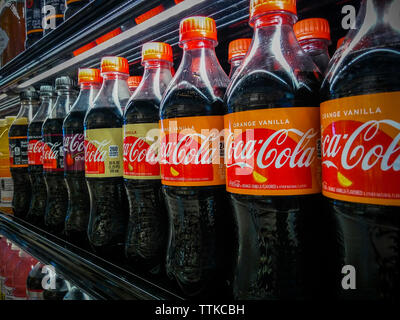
156 77
274 20
45 108
235 64
114 92
87 93
63 104
315 46
27 111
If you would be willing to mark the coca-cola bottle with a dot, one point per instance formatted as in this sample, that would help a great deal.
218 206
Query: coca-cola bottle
273 167
77 219
146 238
18 142
314 36
133 83
53 156
236 52
194 182
37 208
360 124
109 208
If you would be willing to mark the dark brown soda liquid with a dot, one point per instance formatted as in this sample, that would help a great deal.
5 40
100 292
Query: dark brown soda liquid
39 193
277 236
146 237
199 216
367 236
22 187
108 216
57 194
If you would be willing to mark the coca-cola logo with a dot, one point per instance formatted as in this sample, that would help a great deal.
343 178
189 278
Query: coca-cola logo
74 143
53 151
365 147
191 148
138 150
272 150
96 151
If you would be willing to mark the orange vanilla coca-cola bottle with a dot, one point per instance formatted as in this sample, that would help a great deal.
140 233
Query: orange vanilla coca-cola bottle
272 163
236 52
360 121
191 157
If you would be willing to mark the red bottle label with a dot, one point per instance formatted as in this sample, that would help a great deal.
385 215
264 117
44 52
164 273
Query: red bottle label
191 152
273 151
53 153
141 146
35 152
103 153
361 149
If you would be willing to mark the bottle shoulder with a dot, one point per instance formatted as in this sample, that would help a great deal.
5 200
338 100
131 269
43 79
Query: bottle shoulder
360 72
103 117
193 101
142 111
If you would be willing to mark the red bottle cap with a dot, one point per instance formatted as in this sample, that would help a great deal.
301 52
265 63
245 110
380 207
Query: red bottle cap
197 27
149 14
178 1
84 48
109 35
340 42
314 28
261 6
157 51
134 81
114 64
238 48
89 76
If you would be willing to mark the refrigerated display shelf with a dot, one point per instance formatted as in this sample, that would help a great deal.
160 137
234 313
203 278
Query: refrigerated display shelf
52 55
97 277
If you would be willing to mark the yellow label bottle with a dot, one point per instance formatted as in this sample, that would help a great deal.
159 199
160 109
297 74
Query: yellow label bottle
6 183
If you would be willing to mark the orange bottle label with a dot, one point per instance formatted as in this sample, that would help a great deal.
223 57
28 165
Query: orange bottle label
103 153
191 152
273 151
361 149
141 145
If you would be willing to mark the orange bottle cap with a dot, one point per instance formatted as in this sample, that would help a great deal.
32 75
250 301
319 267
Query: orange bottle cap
314 28
114 64
178 1
261 6
109 35
157 51
238 48
340 42
89 75
197 27
134 81
84 48
149 14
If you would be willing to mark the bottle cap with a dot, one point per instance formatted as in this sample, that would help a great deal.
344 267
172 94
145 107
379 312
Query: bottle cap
10 119
29 94
46 89
197 27
65 83
109 35
134 81
88 75
261 6
238 48
114 64
157 51
340 42
314 28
